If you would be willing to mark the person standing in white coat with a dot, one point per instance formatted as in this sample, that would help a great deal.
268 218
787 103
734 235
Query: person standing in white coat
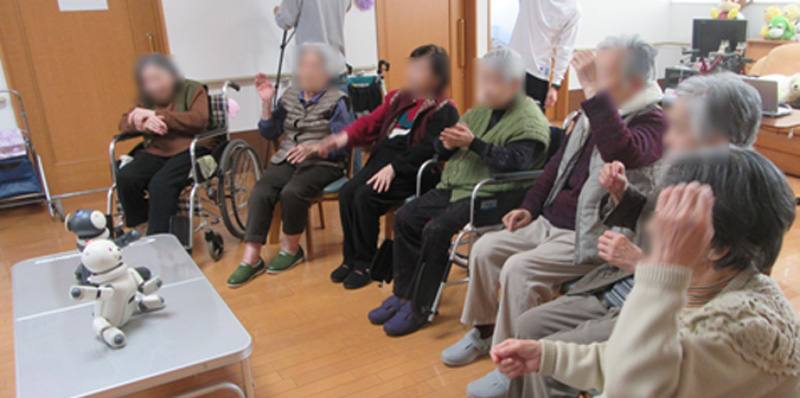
544 35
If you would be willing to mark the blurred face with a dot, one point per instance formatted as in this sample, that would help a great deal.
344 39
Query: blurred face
494 90
681 136
158 84
420 78
311 73
611 75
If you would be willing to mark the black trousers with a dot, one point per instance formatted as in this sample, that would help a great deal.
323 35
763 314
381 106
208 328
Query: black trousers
294 187
423 231
537 89
360 209
157 180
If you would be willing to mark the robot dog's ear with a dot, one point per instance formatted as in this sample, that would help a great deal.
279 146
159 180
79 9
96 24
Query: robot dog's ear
98 219
66 222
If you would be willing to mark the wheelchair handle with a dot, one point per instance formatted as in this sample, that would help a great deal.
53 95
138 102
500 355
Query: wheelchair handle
232 85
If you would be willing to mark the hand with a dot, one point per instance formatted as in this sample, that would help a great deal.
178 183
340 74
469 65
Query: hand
382 180
613 179
331 142
516 219
683 225
265 89
515 358
276 9
458 136
300 153
552 98
583 62
137 116
620 252
156 125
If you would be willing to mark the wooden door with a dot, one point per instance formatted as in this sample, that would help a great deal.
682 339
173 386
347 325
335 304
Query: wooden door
407 24
74 70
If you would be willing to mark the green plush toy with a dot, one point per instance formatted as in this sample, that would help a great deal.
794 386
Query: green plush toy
780 28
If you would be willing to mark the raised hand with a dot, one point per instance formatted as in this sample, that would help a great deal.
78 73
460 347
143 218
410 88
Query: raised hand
458 136
265 89
516 219
683 226
613 179
583 63
515 358
618 250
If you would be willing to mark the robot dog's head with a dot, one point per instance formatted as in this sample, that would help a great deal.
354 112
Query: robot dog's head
87 224
101 256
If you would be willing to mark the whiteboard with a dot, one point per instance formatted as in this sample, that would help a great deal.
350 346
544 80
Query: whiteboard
223 39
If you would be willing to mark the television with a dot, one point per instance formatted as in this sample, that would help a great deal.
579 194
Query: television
708 34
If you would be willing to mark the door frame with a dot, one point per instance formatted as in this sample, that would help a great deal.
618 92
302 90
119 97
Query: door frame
21 76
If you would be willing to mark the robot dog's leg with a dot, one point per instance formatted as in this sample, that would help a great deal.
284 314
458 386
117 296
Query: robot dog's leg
150 302
150 286
112 335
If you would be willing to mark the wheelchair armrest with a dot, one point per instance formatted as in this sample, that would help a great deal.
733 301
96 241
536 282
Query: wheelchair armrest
421 171
128 136
209 134
498 178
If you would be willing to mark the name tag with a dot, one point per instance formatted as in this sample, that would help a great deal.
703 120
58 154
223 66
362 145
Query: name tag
544 70
490 204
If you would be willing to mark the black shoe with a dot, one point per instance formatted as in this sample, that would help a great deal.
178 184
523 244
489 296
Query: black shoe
339 274
357 279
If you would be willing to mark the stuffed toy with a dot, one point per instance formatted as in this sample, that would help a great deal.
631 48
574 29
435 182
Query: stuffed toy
792 13
727 9
769 13
780 28
788 87
793 97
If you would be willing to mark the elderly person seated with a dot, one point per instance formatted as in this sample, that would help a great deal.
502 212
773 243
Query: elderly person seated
402 133
552 238
709 111
505 132
307 112
702 320
171 111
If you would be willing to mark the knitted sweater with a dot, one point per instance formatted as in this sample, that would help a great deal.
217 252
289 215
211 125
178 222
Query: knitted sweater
522 121
744 343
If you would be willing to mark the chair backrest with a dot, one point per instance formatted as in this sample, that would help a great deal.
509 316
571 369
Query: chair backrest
218 108
557 136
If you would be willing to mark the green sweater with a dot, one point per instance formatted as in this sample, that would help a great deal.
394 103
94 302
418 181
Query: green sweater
523 121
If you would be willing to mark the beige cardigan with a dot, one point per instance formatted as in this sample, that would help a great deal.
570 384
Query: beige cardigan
743 343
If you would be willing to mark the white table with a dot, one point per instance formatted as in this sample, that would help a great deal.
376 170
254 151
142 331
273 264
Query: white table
58 355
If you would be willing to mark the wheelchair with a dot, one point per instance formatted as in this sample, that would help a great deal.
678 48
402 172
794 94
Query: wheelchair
217 187
478 224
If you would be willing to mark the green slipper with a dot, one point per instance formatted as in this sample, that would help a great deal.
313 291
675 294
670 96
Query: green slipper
245 273
285 261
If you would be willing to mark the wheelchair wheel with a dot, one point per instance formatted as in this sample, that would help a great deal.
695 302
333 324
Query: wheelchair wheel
239 170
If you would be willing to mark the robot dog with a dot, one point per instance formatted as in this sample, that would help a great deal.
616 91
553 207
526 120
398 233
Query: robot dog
118 290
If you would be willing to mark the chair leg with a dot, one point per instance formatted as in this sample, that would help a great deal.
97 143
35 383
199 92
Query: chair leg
321 215
275 229
309 239
388 226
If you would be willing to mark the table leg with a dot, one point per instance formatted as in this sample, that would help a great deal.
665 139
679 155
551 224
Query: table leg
247 379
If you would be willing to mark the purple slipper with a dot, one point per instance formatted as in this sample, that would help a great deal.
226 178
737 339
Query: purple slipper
406 321
386 311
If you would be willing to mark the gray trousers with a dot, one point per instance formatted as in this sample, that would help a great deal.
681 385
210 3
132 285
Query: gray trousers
526 266
580 319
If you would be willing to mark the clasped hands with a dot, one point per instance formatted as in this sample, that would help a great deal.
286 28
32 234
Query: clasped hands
147 120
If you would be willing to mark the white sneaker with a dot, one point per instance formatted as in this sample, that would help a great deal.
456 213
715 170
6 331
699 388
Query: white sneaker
467 350
493 385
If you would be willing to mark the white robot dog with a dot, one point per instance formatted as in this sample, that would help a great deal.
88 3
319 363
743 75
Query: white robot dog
119 292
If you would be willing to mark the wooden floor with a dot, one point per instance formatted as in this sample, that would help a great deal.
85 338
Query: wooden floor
311 337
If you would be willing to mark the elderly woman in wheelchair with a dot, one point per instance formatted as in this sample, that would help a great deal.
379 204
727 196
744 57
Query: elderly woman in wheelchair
171 111
506 132
308 111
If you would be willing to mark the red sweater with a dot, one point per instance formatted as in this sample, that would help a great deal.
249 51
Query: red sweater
637 144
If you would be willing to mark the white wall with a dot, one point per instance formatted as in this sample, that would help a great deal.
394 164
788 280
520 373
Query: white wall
224 39
8 119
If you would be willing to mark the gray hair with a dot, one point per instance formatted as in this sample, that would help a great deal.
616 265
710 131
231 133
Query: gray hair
331 59
505 61
641 55
754 204
723 104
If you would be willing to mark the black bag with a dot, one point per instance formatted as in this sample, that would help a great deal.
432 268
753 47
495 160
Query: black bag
382 269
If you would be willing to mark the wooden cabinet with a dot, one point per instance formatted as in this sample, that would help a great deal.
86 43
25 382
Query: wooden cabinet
779 140
759 48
